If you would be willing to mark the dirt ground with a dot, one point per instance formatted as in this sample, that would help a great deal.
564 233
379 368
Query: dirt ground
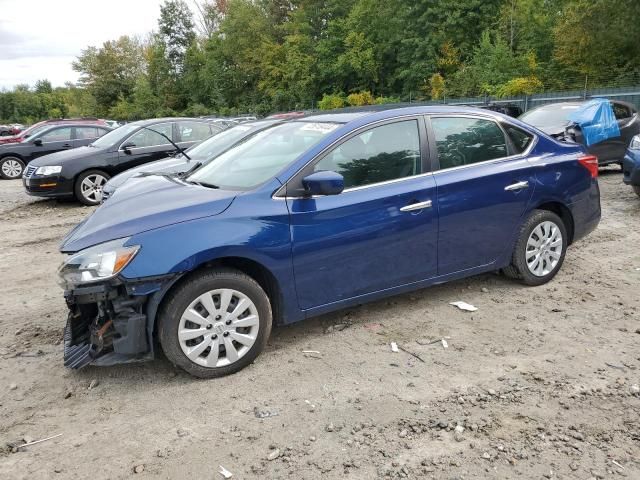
540 382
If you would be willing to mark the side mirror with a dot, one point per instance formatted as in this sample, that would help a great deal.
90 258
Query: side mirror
323 183
127 146
37 142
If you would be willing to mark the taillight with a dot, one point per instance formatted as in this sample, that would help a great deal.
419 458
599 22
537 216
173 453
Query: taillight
590 162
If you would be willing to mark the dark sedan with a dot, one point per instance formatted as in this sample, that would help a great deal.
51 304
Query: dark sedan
49 139
81 173
553 119
198 155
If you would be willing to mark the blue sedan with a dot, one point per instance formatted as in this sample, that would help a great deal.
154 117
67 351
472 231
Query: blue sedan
631 165
313 215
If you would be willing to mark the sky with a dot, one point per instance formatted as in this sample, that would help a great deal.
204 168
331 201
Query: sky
40 38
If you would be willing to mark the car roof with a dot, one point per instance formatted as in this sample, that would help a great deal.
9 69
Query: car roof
153 121
577 103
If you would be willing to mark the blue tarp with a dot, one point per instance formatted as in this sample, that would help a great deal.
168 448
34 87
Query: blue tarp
596 120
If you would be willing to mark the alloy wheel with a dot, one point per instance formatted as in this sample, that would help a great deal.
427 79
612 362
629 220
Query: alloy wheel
544 249
91 187
11 168
218 328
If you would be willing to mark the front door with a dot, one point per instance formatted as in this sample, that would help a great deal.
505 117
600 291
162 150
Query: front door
379 233
52 141
146 146
484 182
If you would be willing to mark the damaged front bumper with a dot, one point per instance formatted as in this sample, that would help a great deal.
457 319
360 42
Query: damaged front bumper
112 323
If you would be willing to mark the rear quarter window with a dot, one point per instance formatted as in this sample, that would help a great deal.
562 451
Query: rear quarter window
520 139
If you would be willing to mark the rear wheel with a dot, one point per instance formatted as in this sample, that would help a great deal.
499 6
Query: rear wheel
216 323
11 168
88 187
540 249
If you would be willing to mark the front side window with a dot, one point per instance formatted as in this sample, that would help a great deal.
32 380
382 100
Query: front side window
57 135
262 155
147 136
464 141
383 153
620 111
193 131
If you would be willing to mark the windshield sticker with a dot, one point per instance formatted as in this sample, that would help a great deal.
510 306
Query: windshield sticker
319 127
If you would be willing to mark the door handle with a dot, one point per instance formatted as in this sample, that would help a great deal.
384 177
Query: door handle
67 145
416 206
516 186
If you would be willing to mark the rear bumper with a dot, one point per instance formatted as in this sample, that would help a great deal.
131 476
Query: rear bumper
112 323
586 213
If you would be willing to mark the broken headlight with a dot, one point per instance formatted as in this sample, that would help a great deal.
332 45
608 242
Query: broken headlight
96 263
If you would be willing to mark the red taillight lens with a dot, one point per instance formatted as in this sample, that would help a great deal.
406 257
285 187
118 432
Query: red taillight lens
590 162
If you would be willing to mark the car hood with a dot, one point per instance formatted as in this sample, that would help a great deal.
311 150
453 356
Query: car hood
167 165
65 155
145 204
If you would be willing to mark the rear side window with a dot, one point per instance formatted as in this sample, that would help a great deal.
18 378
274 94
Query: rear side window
83 133
148 137
620 111
193 131
519 138
383 153
464 141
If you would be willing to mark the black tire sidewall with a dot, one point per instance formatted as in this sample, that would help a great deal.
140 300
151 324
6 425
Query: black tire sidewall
77 189
636 188
190 288
19 160
519 255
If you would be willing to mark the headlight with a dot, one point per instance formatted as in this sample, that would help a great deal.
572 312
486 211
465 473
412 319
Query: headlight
96 263
50 170
635 143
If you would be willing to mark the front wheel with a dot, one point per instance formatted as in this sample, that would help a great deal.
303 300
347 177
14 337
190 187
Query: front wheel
540 249
88 187
11 168
215 323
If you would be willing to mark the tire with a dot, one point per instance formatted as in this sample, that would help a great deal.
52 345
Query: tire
552 257
11 168
90 195
178 308
636 189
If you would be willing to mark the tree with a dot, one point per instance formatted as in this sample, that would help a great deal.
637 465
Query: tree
176 32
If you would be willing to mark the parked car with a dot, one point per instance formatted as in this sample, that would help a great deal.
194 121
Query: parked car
631 165
313 215
510 109
47 140
196 156
38 127
553 119
8 130
81 173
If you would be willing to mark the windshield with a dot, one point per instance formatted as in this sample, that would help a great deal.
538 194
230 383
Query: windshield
212 147
115 136
549 116
33 130
262 156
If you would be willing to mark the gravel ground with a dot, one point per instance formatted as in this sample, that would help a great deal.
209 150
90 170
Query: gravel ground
538 383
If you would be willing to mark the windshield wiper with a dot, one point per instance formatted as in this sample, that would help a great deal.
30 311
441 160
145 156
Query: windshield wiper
203 184
190 171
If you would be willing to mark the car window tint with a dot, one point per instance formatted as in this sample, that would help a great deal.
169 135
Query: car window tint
377 155
620 111
463 141
147 137
57 135
83 133
193 131
519 138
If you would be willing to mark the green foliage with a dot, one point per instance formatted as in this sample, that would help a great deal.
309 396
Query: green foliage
259 56
329 102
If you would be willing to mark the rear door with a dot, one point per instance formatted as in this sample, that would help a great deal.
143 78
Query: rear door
54 140
381 231
484 182
146 145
